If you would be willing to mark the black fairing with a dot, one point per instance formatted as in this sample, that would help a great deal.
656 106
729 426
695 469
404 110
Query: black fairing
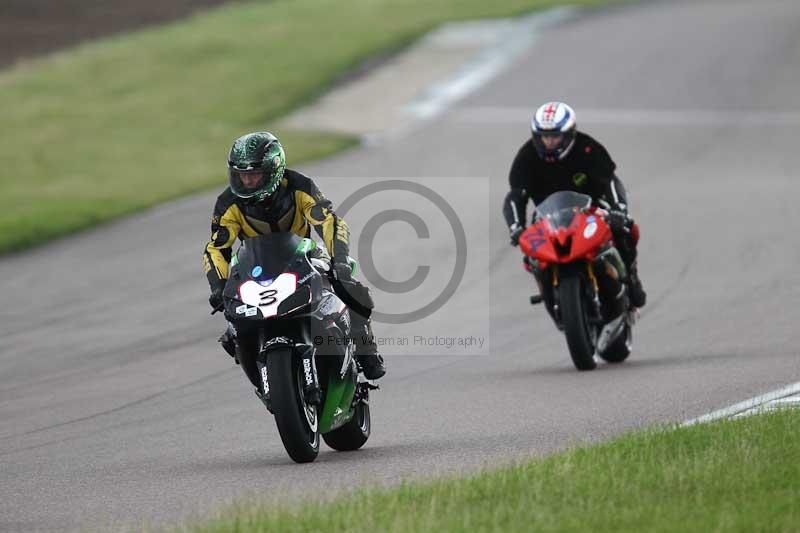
312 310
273 254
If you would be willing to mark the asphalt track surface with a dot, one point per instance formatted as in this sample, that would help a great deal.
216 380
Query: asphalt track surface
118 408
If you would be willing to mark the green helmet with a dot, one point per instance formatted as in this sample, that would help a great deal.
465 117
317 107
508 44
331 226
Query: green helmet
255 166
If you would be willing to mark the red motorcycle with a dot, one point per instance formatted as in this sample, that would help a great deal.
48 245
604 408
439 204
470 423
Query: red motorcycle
582 279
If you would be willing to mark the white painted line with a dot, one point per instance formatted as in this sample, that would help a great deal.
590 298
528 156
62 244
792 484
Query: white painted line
788 401
487 64
638 117
746 405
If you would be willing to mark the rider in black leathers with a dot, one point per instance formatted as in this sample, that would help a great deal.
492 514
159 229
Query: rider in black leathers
557 158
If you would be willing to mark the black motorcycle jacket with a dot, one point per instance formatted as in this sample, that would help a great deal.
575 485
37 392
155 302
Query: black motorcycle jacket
587 169
297 205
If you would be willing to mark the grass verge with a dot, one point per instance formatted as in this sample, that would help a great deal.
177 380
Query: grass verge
116 125
740 475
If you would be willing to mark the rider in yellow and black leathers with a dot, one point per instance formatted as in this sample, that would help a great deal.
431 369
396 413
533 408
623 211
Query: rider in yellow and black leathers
297 205
265 197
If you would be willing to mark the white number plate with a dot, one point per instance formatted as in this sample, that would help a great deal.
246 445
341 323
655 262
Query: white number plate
267 298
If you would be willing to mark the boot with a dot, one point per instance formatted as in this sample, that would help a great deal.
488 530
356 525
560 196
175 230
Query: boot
636 293
366 351
228 341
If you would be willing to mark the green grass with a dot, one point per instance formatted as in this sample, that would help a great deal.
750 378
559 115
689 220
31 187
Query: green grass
741 475
120 124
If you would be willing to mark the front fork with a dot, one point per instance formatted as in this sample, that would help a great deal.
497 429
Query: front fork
312 392
311 388
550 293
594 293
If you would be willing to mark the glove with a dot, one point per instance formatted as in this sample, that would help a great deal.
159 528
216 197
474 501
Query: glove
215 300
342 272
618 221
516 230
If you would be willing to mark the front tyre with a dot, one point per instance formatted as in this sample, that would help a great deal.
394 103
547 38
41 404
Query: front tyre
297 421
578 330
354 433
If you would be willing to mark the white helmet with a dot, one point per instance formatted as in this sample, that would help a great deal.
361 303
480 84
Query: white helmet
553 119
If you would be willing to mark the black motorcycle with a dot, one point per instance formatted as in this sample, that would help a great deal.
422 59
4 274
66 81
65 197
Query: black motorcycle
294 345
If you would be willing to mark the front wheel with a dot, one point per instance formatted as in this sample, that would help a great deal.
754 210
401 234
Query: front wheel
297 420
354 433
578 330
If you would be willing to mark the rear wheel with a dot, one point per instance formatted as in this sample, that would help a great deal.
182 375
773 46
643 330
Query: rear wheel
620 349
579 332
354 433
297 420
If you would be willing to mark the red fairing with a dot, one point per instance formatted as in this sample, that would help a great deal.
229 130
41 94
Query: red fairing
535 242
581 240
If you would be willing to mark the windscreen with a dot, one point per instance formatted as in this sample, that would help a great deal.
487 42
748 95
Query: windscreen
561 207
267 256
